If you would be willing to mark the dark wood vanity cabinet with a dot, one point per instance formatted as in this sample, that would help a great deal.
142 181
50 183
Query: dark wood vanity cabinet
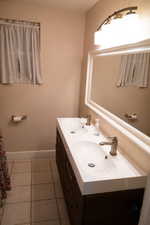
70 187
114 208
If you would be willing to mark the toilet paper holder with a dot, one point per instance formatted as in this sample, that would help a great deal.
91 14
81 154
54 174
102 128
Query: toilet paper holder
18 119
131 117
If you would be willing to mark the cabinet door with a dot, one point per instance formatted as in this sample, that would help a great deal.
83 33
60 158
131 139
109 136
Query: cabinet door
114 208
74 197
70 187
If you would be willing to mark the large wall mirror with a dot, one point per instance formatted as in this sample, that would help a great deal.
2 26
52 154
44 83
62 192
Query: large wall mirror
118 86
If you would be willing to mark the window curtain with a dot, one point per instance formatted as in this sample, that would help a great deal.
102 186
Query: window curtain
20 54
134 70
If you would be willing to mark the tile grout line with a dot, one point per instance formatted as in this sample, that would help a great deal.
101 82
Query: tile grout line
30 222
55 183
59 217
44 171
31 195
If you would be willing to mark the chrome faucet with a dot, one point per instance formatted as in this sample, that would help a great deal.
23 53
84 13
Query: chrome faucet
113 142
89 118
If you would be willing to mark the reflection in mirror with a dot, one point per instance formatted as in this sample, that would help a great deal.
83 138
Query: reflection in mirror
120 84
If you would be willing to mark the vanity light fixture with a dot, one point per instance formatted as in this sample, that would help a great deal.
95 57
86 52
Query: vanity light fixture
121 27
118 14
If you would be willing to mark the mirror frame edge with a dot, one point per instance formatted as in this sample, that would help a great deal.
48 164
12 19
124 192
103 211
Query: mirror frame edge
135 135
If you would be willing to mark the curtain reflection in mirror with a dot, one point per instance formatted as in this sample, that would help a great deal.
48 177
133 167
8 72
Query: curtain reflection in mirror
134 70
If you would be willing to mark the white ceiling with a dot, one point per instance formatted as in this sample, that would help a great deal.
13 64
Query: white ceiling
75 5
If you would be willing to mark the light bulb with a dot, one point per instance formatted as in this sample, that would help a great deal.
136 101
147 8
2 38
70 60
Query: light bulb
120 31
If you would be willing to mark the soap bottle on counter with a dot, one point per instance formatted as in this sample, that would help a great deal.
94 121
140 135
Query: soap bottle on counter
96 133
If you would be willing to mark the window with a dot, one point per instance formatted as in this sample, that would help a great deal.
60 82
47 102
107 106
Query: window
19 52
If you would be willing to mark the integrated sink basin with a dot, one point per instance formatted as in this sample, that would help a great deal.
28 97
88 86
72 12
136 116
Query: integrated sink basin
87 149
105 166
93 160
95 169
73 127
78 131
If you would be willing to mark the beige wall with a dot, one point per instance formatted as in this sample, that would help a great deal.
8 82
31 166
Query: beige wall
61 56
95 17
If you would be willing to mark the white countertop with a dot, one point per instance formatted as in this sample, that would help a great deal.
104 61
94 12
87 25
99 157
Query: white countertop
111 173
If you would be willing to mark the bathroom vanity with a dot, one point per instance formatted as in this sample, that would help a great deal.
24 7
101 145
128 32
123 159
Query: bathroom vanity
98 195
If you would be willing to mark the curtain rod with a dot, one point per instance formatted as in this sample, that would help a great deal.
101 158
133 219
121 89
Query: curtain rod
19 21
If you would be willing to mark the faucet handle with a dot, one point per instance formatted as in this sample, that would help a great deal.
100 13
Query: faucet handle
113 139
113 142
89 117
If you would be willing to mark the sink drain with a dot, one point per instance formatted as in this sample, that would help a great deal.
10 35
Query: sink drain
91 165
72 132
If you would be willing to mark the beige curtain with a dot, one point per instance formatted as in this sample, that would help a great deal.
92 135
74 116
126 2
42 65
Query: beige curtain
142 70
8 57
134 70
20 54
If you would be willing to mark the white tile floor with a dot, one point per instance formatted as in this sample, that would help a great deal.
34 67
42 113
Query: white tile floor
36 197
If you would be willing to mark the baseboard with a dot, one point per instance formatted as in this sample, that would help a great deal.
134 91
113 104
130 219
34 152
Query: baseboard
28 155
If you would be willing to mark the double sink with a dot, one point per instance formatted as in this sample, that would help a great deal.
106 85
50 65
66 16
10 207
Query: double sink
96 170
